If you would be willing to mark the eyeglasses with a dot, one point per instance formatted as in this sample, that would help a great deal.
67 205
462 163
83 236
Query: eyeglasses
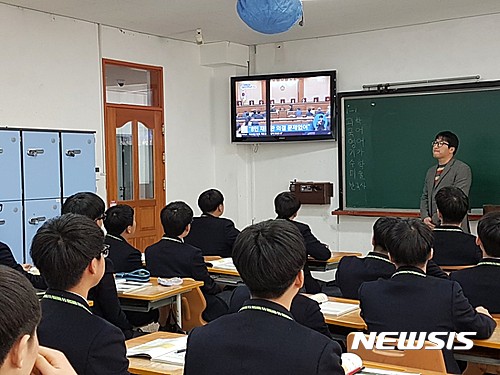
102 217
439 143
105 251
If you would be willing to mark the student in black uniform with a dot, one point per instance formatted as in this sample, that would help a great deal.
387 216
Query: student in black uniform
210 232
104 294
7 259
171 257
286 206
20 311
452 246
120 224
263 338
410 301
69 250
481 284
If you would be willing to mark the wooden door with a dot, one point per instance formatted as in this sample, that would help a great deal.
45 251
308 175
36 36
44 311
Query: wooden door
135 167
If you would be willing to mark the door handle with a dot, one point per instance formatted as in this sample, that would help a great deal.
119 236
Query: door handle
73 153
35 151
2 222
37 220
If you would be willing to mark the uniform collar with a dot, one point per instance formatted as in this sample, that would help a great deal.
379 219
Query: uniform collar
68 295
173 239
448 228
118 238
489 262
264 303
409 271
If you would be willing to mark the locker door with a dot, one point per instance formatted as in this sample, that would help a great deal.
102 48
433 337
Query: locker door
41 165
11 228
36 214
10 160
78 163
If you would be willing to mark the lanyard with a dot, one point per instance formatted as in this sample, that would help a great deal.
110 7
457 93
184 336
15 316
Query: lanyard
172 239
116 238
377 257
66 300
409 273
265 309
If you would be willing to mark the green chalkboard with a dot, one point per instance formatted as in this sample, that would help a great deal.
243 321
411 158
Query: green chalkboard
386 145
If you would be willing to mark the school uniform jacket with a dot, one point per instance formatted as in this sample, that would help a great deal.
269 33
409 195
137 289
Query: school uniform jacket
92 345
315 249
453 247
213 235
263 339
304 310
125 257
7 259
481 284
410 301
106 302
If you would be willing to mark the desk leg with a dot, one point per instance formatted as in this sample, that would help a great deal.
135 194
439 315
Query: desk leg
178 309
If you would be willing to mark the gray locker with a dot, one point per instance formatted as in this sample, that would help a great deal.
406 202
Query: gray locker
78 163
42 174
11 227
10 160
36 213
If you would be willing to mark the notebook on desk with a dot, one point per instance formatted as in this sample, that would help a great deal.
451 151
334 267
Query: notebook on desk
337 308
172 351
224 264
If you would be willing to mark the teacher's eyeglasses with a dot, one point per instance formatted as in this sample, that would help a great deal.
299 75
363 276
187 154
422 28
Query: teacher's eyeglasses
439 143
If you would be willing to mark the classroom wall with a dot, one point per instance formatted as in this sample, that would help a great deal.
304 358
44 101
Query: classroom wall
436 50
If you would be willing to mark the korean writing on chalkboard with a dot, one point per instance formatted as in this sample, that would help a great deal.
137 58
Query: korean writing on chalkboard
355 150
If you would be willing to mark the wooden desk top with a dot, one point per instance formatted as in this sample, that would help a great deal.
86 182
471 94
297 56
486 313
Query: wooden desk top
156 292
385 366
219 271
142 366
338 255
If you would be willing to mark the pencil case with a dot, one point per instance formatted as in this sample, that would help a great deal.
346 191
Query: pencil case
140 275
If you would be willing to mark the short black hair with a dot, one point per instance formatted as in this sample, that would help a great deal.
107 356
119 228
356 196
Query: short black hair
209 200
64 246
86 204
19 309
286 204
488 231
409 242
118 218
381 229
449 137
268 257
452 203
175 217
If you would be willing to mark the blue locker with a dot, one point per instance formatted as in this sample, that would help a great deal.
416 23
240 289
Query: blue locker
10 160
42 173
36 213
11 227
78 163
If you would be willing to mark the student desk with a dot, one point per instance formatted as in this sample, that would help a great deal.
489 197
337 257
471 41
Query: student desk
223 276
155 296
142 366
329 264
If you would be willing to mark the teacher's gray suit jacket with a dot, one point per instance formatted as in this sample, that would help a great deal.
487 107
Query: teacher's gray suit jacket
456 173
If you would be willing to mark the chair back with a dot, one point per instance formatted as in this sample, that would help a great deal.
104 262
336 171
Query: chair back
415 358
193 305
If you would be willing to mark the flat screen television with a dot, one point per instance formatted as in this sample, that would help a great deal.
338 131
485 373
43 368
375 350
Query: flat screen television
284 107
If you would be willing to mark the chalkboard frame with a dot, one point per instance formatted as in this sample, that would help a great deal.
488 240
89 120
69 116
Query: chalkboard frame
384 91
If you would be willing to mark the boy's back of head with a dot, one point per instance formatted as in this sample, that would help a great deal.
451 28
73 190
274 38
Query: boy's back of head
409 242
488 231
175 217
19 311
381 229
452 204
286 205
269 255
64 246
86 204
118 218
209 200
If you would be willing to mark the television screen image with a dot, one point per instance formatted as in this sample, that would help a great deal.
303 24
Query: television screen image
284 112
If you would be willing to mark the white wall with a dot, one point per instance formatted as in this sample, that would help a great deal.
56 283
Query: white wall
437 50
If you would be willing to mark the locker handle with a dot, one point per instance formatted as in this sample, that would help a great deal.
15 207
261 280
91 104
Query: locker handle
37 220
73 153
35 151
2 222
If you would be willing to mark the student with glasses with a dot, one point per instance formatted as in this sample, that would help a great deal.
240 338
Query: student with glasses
70 252
448 172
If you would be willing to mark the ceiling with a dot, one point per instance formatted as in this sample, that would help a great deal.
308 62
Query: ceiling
218 20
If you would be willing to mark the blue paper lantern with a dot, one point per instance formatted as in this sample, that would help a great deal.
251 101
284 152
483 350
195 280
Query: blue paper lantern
270 16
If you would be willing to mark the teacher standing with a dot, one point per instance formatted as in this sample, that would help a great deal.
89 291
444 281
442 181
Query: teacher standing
448 172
